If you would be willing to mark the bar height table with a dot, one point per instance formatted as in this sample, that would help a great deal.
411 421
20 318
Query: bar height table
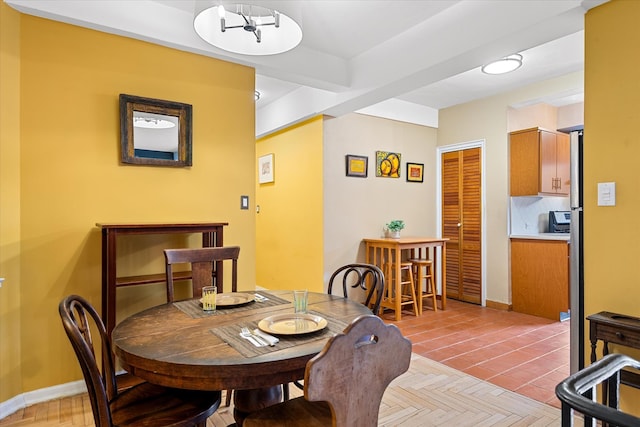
379 249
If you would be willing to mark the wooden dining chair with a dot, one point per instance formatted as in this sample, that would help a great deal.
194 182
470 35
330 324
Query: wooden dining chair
345 382
366 277
142 405
202 262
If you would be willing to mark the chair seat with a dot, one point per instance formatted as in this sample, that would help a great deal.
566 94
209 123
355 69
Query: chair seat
150 405
294 412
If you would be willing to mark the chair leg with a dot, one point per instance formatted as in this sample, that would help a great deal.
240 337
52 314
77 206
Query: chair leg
416 271
410 283
431 287
412 286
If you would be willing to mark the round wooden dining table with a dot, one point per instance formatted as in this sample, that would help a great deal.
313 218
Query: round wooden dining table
178 345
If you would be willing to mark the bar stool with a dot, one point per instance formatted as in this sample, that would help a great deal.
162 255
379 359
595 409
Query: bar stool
422 270
405 287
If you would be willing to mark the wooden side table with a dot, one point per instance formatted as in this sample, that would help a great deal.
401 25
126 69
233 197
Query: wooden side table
617 329
211 237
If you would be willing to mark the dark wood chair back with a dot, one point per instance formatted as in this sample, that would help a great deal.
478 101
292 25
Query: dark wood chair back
203 262
344 383
367 277
145 404
577 391
77 318
354 369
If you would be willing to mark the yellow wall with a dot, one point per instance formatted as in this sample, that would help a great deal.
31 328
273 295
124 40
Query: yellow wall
10 351
70 176
289 225
611 153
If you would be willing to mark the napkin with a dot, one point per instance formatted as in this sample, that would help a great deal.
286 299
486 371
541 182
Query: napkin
261 298
268 338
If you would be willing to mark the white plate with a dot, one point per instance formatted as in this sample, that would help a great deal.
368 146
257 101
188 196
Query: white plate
292 324
232 299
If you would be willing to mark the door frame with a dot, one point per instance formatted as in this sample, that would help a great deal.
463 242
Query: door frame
483 241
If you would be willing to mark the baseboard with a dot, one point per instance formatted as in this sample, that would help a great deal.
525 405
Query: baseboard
498 305
41 395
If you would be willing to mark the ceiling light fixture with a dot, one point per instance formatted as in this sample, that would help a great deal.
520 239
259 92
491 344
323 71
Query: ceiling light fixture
152 123
266 31
504 65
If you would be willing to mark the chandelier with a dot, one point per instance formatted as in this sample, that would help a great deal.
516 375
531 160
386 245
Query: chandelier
247 29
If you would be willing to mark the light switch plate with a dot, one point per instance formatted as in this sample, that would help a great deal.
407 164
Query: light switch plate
244 202
606 194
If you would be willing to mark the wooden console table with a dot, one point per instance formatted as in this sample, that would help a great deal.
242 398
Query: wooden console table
617 329
211 236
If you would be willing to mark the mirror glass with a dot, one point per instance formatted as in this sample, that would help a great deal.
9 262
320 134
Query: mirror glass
154 131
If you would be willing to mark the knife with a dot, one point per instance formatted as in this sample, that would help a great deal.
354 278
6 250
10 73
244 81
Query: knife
269 339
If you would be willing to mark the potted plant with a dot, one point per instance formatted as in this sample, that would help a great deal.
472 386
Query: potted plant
394 227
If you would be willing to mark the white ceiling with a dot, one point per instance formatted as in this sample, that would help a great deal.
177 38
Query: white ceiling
398 59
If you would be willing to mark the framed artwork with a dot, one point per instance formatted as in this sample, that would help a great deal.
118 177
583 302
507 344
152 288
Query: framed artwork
265 168
357 165
415 172
388 164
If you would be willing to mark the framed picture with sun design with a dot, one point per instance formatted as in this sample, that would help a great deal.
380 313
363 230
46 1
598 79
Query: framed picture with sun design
388 164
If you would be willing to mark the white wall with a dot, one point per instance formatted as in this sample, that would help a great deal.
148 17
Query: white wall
530 215
355 208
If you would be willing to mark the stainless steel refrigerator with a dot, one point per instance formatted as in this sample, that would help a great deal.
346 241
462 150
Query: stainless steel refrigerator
576 263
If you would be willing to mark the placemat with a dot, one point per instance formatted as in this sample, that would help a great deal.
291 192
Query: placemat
192 307
231 335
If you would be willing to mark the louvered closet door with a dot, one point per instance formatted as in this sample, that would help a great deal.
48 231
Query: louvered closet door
461 223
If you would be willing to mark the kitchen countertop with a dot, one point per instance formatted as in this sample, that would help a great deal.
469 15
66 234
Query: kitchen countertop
542 236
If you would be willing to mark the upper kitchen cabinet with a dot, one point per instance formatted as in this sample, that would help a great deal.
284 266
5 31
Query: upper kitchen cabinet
539 162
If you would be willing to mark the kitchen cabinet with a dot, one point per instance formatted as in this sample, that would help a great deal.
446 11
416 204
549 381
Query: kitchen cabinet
539 162
540 277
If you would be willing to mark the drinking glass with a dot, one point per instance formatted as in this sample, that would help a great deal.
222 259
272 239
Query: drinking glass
300 301
209 298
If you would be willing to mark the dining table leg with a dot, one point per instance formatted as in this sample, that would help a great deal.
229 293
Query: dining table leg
250 400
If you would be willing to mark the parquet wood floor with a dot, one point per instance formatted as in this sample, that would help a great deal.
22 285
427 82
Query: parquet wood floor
481 367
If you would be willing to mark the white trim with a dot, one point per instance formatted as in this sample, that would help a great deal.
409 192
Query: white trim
41 395
483 243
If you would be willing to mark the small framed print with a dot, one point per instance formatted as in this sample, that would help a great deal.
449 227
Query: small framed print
357 165
388 164
265 168
415 172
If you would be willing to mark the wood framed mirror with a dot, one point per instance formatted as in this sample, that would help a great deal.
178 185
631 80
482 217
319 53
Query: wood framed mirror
155 132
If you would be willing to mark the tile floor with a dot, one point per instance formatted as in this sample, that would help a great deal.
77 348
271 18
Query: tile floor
526 354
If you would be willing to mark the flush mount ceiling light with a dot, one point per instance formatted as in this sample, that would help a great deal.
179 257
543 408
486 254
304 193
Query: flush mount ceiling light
504 65
247 29
152 123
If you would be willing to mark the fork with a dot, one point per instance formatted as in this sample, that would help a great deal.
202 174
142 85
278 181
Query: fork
246 333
